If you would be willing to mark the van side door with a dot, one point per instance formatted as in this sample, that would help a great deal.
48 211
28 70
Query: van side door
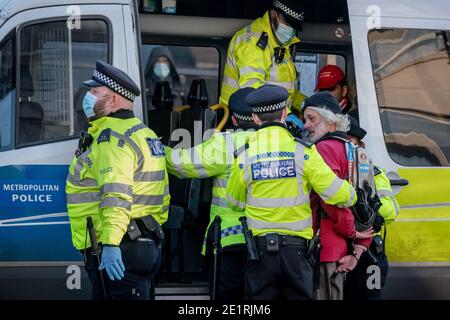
402 67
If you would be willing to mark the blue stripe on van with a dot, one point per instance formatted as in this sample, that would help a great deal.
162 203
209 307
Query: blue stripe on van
33 215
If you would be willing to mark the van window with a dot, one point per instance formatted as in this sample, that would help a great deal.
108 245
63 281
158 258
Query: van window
411 69
185 64
308 65
7 92
54 61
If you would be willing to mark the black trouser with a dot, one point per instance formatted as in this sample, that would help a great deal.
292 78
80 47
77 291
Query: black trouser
133 286
284 274
360 284
231 276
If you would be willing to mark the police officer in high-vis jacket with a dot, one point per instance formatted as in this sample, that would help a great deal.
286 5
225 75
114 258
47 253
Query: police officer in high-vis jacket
263 53
213 158
271 181
118 179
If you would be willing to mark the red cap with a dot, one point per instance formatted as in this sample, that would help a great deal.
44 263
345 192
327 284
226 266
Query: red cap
329 76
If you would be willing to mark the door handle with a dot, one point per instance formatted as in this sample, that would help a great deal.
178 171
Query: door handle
399 182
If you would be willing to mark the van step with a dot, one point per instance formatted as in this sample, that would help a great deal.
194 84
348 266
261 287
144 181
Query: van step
193 291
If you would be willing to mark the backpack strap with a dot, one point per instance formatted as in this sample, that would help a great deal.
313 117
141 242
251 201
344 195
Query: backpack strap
352 162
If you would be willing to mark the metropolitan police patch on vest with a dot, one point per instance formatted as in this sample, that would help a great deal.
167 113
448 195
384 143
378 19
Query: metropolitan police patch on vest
156 147
273 169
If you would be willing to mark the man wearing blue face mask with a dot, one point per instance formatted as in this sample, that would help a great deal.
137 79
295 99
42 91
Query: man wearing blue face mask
261 53
118 179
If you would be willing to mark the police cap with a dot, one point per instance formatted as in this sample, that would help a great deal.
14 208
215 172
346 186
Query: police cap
355 129
113 78
322 99
267 98
293 11
240 109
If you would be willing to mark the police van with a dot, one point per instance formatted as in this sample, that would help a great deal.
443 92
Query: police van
396 55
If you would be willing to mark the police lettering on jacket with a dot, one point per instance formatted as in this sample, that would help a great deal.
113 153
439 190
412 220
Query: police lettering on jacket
273 169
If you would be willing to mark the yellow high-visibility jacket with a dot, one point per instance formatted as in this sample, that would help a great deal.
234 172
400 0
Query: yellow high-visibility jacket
213 158
272 179
249 65
122 175
389 208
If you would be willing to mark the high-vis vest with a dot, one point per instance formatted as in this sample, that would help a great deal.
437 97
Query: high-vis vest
389 208
213 158
272 179
122 175
251 62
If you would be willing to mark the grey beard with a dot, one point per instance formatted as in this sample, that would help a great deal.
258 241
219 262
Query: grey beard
320 131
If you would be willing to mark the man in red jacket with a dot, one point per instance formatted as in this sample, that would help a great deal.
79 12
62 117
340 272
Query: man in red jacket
341 244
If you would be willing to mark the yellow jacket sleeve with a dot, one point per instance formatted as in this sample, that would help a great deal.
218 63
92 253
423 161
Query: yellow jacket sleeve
209 159
389 208
325 182
237 186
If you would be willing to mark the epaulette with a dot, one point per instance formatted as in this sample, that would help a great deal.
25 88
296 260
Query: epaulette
304 142
376 171
104 136
239 150
263 40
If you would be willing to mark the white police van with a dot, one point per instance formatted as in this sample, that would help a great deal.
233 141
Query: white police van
396 55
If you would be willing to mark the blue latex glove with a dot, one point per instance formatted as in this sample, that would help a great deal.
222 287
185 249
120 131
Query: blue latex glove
295 120
112 262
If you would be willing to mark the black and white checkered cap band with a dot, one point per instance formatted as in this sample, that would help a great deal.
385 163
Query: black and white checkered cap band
113 85
296 15
269 108
242 117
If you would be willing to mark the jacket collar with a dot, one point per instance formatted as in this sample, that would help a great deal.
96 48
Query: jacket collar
273 124
247 126
97 124
122 114
336 135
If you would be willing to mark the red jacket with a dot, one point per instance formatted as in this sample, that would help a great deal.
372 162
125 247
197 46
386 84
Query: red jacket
339 223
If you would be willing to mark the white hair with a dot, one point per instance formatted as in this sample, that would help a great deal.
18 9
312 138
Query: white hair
341 121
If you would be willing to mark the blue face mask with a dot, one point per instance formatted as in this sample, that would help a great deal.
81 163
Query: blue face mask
88 104
284 33
161 70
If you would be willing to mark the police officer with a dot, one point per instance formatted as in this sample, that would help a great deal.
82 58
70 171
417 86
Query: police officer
261 53
118 179
213 158
355 286
271 181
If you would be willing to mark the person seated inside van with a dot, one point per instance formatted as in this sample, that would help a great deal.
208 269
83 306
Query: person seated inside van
161 67
332 79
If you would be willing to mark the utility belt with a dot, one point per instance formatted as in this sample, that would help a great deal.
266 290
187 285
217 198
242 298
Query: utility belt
144 228
140 246
271 242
